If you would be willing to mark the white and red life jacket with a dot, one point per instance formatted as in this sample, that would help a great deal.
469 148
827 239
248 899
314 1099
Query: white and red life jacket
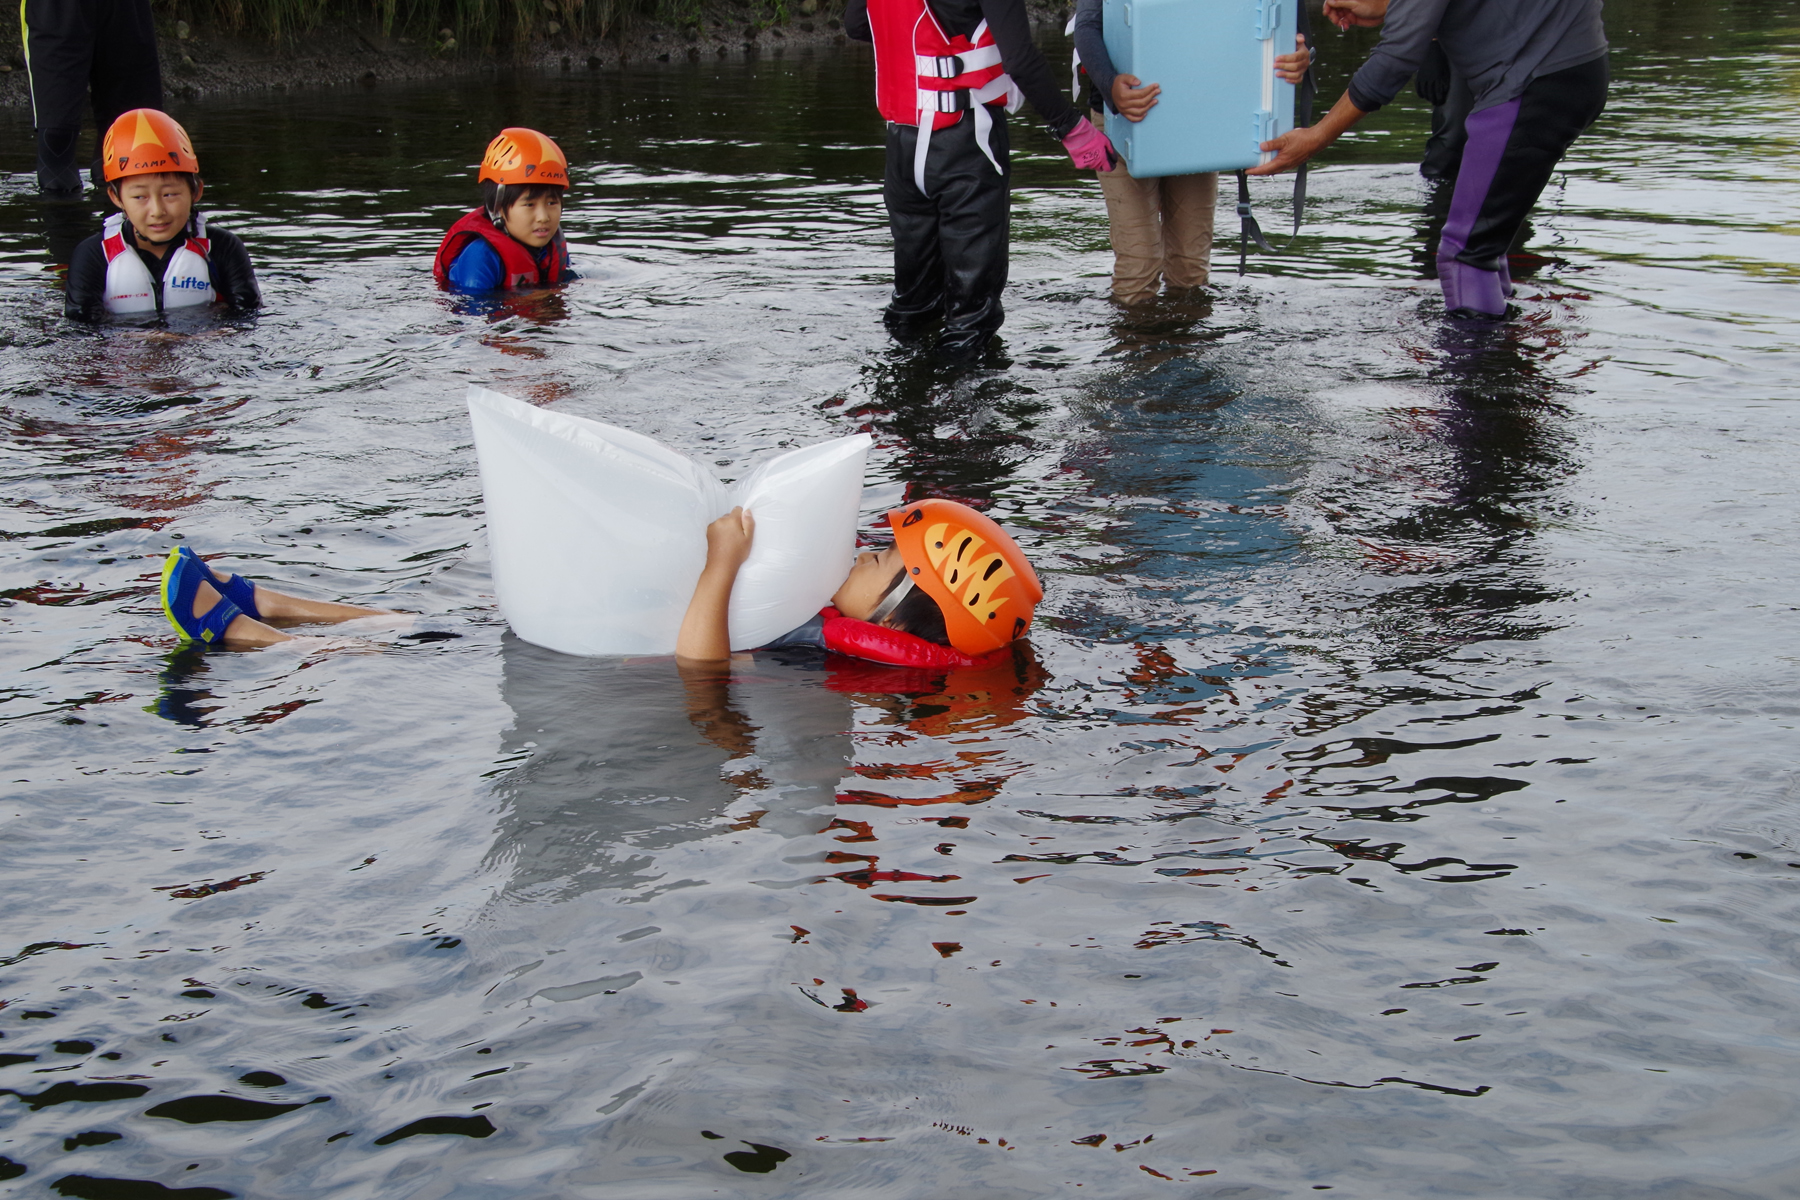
521 266
925 78
130 288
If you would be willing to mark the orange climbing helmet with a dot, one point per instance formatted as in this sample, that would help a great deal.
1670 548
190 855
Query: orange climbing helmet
145 141
972 568
524 156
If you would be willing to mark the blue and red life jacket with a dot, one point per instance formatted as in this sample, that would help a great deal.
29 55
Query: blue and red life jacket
522 266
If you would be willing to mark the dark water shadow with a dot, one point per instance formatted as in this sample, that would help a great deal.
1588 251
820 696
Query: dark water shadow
1495 445
181 693
958 430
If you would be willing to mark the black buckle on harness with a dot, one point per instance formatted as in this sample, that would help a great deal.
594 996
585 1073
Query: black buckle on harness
949 66
1248 230
954 100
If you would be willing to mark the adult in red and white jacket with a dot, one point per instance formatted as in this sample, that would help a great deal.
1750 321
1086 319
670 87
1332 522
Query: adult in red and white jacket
946 74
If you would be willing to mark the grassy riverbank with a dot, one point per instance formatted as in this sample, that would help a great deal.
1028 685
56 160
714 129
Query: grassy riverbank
475 24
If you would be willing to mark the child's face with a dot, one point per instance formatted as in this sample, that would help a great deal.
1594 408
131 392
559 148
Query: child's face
535 222
867 582
158 206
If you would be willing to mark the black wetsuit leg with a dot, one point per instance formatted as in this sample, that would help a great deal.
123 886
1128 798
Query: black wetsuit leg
1512 150
73 47
1554 111
127 71
950 245
1444 149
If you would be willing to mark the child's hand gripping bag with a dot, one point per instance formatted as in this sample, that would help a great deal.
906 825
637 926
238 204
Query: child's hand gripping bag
598 534
805 503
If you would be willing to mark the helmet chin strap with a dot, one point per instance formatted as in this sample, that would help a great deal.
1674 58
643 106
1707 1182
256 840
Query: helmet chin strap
891 601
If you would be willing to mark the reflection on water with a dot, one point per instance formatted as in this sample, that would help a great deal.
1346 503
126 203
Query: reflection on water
1396 794
620 759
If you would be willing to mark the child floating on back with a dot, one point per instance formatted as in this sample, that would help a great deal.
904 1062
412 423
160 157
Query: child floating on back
953 589
156 253
514 240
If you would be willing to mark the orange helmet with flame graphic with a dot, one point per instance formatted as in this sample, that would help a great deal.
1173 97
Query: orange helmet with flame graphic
145 141
972 568
524 156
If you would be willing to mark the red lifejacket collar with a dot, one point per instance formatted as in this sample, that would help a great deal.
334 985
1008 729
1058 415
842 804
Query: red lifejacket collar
521 266
878 643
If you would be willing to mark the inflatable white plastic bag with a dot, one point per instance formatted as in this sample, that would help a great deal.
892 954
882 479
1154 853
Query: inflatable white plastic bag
598 534
806 506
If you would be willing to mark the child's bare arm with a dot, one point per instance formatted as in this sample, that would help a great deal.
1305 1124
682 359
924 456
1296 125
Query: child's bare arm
1292 67
1132 98
705 635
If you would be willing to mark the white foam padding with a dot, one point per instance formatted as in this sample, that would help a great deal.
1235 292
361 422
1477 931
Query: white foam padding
598 534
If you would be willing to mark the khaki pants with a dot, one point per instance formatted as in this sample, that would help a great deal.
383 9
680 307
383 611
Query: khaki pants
1161 229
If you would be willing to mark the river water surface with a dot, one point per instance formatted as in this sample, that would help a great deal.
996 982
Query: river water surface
1398 798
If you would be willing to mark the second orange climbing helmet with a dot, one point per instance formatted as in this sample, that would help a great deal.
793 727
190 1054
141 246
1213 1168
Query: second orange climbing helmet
524 156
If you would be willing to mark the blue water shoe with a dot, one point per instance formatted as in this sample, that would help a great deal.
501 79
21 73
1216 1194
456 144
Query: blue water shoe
235 588
183 573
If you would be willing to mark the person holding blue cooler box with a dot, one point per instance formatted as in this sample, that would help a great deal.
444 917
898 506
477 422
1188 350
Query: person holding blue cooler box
1161 218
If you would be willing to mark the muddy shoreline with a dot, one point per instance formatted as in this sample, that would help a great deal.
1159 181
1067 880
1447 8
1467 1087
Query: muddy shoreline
200 62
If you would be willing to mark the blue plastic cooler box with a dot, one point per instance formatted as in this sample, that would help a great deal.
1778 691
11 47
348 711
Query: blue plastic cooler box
1215 60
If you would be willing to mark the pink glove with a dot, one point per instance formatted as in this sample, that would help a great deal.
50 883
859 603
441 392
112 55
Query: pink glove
1089 148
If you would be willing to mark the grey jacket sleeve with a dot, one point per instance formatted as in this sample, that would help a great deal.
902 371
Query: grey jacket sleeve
1405 38
1090 43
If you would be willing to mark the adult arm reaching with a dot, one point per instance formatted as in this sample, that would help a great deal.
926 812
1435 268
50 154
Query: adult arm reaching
1296 146
1364 13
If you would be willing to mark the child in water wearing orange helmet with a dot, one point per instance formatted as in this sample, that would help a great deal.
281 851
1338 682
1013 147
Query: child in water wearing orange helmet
953 590
155 254
514 240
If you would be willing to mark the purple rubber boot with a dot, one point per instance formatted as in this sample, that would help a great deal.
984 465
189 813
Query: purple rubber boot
1471 289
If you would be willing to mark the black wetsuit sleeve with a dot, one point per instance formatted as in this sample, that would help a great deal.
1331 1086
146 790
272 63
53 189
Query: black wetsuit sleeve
84 294
856 21
233 278
1090 43
1011 27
